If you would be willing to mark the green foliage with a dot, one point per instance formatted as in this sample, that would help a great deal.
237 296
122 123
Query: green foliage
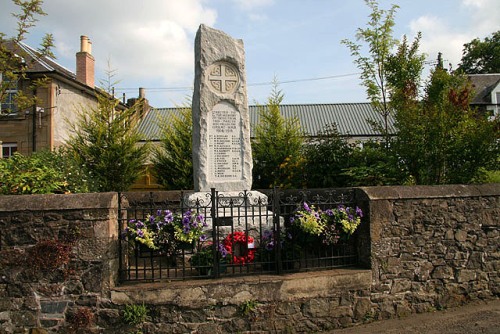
14 63
379 42
442 140
135 314
247 307
326 158
404 70
374 165
479 57
173 162
105 143
43 172
277 149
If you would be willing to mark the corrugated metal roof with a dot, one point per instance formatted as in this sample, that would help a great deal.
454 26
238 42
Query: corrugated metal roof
352 119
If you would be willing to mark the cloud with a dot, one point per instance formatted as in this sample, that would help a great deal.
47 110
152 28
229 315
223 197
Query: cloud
484 16
442 35
143 40
438 37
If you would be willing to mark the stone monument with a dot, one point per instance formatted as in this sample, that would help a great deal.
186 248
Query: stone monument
222 154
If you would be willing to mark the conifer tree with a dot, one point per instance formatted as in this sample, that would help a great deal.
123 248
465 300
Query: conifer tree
277 149
173 160
105 142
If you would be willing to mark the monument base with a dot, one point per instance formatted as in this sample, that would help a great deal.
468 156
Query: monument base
235 209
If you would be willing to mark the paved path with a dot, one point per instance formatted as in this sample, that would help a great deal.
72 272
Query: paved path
474 318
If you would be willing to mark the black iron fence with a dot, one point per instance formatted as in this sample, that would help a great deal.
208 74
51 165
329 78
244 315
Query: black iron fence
215 235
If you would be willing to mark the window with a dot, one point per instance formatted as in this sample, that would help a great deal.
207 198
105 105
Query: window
8 105
8 149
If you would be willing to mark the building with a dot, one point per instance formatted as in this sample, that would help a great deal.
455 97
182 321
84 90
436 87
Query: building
46 125
353 120
487 92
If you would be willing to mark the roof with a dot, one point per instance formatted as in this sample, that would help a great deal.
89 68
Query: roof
37 63
483 85
352 119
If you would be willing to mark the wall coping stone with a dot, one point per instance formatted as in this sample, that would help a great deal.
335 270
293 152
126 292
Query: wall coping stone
438 191
235 290
10 203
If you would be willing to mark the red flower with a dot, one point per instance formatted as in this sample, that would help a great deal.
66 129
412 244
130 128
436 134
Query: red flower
237 245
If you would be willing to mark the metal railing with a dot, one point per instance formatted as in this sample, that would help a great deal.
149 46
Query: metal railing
244 234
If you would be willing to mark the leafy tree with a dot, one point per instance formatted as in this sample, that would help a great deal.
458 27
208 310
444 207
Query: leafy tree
479 57
404 71
379 41
442 140
277 148
173 160
14 63
326 158
105 143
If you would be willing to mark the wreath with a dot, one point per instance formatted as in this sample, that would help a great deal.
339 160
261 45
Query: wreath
237 244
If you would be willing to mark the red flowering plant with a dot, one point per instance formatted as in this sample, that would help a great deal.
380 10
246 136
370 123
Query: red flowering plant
241 247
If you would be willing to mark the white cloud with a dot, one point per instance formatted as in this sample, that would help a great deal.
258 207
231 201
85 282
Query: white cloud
441 34
485 16
438 37
143 40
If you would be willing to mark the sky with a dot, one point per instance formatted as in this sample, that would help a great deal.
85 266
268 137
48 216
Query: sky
150 43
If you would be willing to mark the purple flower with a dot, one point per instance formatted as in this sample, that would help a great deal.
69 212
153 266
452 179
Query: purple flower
329 212
222 250
203 238
270 246
359 212
169 217
306 207
140 233
267 234
186 229
139 224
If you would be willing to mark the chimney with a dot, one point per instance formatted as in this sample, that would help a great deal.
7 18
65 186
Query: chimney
142 98
85 62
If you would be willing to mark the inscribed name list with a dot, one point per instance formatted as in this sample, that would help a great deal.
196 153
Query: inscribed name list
225 159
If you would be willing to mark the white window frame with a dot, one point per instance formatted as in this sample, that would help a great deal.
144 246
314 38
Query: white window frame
8 149
8 106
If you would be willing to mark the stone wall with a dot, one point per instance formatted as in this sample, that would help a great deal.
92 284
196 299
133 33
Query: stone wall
58 259
427 247
432 247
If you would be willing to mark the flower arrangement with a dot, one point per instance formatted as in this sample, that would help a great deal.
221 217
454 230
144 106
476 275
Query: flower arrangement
329 224
290 250
203 258
240 246
164 230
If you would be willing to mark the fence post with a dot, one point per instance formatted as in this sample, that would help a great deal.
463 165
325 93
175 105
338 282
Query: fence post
215 241
277 226
120 245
